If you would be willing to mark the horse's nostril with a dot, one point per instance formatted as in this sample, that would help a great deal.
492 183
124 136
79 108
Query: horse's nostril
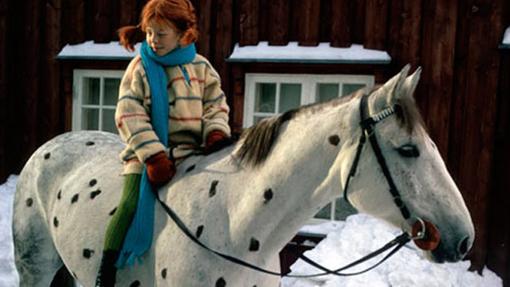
463 247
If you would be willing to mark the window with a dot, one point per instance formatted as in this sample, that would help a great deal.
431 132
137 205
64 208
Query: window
95 96
271 94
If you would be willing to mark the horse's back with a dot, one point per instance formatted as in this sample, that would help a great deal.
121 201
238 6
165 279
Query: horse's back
45 193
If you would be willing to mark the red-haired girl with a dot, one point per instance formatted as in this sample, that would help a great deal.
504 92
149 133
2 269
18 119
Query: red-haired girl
170 106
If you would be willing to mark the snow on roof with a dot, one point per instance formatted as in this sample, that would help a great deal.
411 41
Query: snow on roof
506 39
97 51
293 53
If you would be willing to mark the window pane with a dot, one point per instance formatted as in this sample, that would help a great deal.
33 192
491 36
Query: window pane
109 121
325 212
290 97
111 91
257 119
326 92
90 119
265 97
91 91
348 89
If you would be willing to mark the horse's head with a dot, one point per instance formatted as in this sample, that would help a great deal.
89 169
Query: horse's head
415 165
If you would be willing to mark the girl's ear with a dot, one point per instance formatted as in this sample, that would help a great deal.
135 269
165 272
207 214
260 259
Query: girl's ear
189 36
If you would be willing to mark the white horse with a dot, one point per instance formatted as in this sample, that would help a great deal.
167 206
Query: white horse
247 200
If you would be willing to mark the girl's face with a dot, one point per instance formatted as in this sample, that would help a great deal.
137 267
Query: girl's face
162 38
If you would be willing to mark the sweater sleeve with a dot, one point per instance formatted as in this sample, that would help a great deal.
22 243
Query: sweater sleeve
215 106
132 117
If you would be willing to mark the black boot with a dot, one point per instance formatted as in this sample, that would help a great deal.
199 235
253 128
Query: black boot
107 270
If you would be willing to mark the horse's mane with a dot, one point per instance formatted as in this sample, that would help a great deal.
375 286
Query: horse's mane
260 138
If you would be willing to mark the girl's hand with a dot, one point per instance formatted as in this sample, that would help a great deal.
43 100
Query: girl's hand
215 141
160 169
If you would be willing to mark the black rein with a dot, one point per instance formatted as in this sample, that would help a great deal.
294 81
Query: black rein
367 125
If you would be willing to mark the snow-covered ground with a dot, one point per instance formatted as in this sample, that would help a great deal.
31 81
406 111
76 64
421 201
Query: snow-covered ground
346 241
8 274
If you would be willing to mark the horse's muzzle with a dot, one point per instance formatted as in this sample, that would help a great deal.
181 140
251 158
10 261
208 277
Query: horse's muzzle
425 235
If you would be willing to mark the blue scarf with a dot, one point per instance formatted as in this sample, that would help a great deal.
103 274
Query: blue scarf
139 237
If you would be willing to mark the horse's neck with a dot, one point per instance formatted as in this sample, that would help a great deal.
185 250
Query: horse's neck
303 172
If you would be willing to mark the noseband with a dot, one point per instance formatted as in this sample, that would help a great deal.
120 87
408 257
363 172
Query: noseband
367 126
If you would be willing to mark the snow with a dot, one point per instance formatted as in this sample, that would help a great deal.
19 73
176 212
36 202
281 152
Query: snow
346 241
359 235
8 274
323 53
98 51
506 37
263 52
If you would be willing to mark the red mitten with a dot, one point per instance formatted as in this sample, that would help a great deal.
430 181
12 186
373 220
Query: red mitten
160 169
215 141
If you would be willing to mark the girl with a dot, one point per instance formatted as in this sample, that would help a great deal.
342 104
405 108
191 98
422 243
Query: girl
170 106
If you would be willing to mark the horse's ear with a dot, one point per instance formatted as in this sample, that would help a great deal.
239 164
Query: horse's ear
411 82
399 89
391 90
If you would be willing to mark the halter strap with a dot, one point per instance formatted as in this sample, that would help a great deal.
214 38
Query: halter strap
367 130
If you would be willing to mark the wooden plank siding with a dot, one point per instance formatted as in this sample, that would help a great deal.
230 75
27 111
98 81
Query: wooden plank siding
248 26
309 23
376 22
49 105
340 35
278 15
464 92
4 107
498 255
28 69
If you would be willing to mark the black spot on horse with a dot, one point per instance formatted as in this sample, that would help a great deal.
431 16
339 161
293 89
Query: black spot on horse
92 182
190 168
89 143
47 155
254 245
87 253
334 140
163 273
268 195
221 282
113 211
75 198
59 194
135 283
29 202
95 193
212 190
55 221
200 229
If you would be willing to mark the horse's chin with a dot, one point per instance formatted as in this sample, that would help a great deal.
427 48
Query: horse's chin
440 255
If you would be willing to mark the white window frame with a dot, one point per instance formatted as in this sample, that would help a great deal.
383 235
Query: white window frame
78 76
308 83
309 95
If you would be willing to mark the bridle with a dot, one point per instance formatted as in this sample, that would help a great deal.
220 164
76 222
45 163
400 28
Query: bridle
367 131
367 126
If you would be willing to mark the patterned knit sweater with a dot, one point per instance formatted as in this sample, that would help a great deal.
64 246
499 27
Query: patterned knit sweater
197 107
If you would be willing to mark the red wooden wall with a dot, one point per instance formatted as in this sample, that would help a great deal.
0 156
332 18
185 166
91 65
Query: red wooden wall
464 92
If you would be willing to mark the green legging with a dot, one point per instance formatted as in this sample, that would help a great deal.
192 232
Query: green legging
121 220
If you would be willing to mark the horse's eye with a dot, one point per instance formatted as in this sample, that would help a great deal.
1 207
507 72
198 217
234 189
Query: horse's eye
408 150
